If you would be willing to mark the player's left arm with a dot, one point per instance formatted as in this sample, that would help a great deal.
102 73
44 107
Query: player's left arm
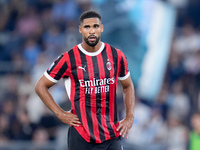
129 99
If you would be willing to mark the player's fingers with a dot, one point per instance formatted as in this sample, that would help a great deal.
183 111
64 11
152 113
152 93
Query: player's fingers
127 132
77 122
123 134
74 124
76 118
119 127
122 131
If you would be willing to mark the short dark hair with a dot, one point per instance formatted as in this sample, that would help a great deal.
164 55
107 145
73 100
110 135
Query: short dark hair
89 14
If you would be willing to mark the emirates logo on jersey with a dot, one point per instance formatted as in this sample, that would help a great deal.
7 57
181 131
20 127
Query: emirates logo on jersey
97 85
109 65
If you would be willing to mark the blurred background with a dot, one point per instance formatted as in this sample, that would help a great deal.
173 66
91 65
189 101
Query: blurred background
161 39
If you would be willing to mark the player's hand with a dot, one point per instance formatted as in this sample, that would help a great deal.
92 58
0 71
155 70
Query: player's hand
69 118
125 125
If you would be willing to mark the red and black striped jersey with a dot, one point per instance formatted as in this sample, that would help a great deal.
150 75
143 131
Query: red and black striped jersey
91 82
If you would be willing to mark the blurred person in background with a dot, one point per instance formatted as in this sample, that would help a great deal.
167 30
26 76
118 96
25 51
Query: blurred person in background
53 39
4 129
29 25
31 51
194 140
175 69
25 128
178 101
172 134
40 139
176 133
90 71
49 122
65 11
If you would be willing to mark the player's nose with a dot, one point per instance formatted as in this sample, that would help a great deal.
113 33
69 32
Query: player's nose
92 30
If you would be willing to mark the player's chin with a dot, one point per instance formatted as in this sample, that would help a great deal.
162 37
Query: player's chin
93 43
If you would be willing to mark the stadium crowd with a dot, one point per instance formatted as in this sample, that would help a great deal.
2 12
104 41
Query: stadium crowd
35 32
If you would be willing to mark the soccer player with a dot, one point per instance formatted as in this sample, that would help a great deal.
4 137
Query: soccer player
90 71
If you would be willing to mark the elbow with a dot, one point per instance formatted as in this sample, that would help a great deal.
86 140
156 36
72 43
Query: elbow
42 85
36 88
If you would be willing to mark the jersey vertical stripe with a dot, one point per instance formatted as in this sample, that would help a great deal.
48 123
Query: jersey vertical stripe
107 74
93 101
103 98
87 99
61 71
122 72
77 88
72 83
57 62
123 64
81 100
115 56
112 102
98 98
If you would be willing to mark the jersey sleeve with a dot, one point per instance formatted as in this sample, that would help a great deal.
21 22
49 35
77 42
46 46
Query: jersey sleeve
57 70
123 69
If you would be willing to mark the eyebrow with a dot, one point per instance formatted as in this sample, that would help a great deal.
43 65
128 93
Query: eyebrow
86 26
89 25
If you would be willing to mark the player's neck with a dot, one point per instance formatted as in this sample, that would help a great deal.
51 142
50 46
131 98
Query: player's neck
90 48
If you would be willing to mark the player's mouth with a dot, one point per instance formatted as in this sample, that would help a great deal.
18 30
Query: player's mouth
92 38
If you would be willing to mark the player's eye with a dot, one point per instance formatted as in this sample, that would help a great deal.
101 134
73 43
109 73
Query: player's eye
96 26
86 27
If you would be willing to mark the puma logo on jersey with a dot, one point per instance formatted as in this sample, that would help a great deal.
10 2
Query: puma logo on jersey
83 68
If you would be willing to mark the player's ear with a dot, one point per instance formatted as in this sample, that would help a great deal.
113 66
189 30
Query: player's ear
102 27
80 29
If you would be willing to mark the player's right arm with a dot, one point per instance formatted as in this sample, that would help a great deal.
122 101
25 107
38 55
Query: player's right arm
42 90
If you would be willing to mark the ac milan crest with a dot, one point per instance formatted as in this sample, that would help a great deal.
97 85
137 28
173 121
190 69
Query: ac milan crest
109 65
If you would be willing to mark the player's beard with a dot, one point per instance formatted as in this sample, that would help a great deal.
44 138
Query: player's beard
93 43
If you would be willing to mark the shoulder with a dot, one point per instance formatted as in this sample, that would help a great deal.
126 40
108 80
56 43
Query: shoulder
72 50
115 50
112 48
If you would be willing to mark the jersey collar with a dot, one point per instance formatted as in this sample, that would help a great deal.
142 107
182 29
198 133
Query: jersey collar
92 53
